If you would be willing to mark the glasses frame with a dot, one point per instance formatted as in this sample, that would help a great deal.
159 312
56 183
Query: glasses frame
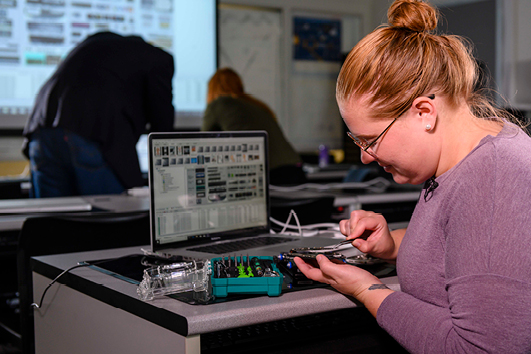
364 145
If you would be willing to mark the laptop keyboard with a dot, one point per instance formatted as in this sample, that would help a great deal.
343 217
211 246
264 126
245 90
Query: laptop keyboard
240 245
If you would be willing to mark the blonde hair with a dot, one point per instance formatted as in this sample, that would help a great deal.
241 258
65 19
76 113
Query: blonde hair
405 59
226 82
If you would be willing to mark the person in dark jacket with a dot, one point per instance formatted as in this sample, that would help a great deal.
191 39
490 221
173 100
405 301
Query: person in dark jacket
88 117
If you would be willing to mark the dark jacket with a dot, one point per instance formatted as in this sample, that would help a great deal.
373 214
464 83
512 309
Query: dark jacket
107 89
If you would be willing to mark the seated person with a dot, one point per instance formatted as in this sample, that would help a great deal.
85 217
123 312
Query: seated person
230 108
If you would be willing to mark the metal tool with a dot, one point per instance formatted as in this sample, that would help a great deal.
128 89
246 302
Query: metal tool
326 248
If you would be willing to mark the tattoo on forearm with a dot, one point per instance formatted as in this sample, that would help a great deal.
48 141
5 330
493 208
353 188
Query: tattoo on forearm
378 286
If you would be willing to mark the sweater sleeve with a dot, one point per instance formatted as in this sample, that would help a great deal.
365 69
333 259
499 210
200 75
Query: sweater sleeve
488 314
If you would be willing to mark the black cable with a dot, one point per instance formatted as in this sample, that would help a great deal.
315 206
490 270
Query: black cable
39 305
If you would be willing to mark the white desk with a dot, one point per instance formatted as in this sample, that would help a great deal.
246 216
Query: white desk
117 203
98 313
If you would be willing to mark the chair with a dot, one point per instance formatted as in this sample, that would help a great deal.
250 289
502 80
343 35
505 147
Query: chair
58 234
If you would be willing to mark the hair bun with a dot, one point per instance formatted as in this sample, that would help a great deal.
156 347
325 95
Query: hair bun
414 15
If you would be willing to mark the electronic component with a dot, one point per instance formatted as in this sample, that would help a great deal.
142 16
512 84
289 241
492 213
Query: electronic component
309 254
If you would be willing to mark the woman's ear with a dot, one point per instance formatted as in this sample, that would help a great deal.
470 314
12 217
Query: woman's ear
426 111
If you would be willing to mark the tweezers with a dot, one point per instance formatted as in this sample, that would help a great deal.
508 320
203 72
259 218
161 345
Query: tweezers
337 245
325 248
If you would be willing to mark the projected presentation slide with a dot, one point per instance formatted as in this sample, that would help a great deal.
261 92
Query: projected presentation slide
36 34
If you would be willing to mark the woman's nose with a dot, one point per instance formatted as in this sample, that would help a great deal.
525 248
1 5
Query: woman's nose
366 158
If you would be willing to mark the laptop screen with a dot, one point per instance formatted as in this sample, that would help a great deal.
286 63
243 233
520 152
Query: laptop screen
207 185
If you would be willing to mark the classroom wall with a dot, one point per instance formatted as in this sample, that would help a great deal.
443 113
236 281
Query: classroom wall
300 92
304 101
304 98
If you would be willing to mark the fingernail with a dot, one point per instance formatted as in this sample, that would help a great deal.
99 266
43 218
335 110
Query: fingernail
356 243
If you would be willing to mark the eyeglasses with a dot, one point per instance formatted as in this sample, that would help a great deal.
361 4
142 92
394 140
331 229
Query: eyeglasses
365 146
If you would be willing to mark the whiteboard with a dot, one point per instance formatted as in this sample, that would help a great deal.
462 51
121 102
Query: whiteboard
250 44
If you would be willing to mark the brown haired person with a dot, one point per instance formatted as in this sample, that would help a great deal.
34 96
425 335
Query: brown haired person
230 108
464 263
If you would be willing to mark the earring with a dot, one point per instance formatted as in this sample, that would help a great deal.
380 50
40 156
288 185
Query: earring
428 126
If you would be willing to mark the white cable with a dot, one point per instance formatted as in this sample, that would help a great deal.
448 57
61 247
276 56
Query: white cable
330 226
292 213
287 222
307 230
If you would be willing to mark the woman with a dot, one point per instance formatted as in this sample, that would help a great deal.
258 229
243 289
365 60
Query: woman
230 108
464 263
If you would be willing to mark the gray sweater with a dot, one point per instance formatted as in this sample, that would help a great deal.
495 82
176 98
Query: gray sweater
464 264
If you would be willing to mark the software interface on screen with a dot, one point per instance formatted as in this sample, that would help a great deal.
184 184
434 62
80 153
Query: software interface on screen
207 186
36 34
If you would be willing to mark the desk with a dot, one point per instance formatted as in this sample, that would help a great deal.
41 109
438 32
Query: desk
112 202
10 226
332 172
93 312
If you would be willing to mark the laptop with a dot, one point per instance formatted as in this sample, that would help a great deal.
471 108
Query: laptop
209 196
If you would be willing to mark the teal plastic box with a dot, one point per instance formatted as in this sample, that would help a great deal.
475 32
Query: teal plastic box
271 286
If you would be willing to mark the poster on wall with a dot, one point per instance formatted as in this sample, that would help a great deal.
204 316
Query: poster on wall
316 61
316 39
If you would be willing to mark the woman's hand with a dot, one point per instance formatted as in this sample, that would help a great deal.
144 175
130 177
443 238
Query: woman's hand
370 234
347 279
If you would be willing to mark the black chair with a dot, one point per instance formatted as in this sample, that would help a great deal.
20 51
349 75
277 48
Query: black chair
48 235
